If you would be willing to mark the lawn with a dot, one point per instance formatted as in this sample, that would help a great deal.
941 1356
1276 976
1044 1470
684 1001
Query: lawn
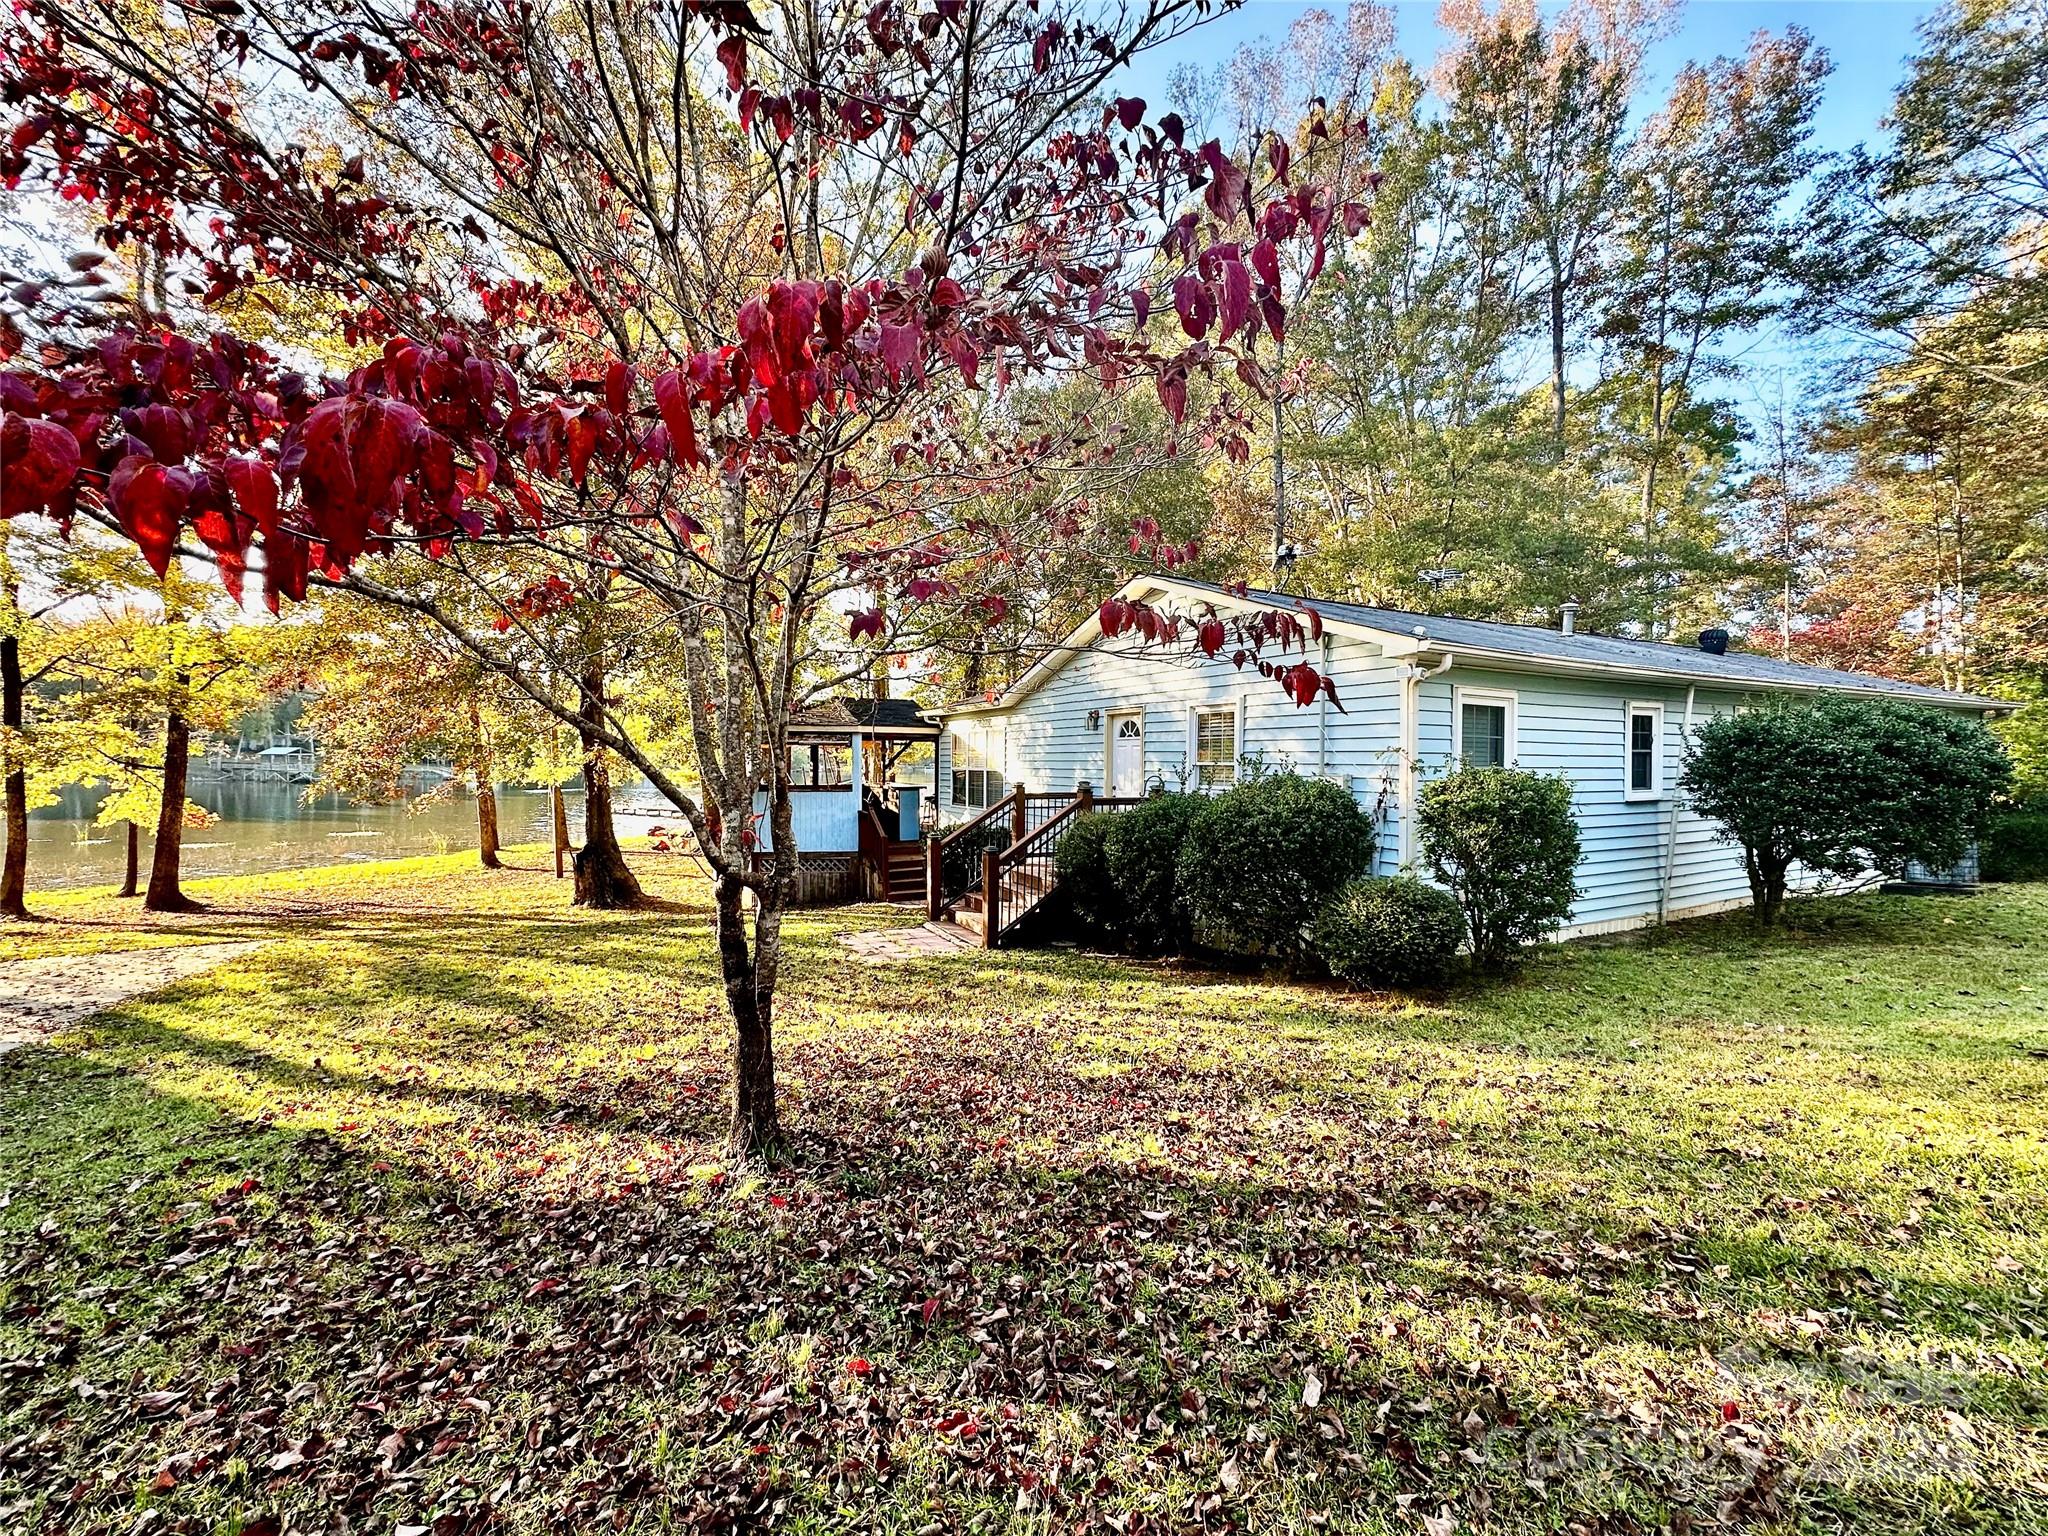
416 1218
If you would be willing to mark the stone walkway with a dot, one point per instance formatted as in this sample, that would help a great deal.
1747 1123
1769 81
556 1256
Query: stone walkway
40 997
891 946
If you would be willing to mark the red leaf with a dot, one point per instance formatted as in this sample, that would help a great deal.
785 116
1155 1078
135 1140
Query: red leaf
582 435
1227 184
149 500
1209 636
1173 392
1237 298
618 387
899 348
671 397
1196 305
255 489
1130 111
1266 262
41 462
1115 617
732 53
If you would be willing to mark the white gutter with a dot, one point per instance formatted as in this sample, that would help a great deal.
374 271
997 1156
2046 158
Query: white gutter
1671 828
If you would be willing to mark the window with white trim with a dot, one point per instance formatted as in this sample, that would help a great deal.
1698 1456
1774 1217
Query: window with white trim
1482 727
977 768
1215 736
1643 765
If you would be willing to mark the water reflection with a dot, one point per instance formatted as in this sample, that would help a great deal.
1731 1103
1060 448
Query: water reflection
266 826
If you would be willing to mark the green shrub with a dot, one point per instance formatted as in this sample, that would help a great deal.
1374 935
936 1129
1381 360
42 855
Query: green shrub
1083 864
2016 844
1142 850
1401 932
1260 860
1505 844
1842 786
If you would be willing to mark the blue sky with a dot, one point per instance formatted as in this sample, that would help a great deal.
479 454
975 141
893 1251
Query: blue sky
1868 40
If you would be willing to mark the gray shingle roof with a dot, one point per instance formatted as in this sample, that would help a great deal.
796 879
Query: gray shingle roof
1736 669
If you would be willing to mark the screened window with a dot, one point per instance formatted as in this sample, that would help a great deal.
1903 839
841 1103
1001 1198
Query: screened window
977 778
1216 748
1485 724
821 765
1645 750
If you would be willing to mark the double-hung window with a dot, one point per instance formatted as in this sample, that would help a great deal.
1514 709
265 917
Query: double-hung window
1482 727
977 769
1215 742
1644 762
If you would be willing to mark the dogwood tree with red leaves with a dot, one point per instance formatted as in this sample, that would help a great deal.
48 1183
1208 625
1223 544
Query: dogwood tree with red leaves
684 296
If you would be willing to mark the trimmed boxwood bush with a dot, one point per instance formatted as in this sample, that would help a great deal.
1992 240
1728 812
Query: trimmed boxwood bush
1504 842
1260 861
2016 844
1401 932
1142 850
1083 864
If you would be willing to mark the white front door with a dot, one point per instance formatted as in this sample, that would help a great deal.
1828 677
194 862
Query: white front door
1127 755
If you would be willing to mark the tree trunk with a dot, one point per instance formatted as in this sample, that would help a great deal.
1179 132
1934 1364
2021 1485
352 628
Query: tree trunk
750 994
603 878
14 869
486 795
164 894
487 823
1557 365
1766 886
130 885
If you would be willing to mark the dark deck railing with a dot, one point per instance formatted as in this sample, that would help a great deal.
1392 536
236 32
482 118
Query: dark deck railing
1011 878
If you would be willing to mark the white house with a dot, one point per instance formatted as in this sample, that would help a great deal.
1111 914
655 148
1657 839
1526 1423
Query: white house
1417 694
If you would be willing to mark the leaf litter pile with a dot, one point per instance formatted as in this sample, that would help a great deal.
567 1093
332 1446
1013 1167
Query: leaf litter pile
1024 1271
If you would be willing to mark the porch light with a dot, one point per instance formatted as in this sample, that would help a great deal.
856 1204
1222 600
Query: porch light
1094 719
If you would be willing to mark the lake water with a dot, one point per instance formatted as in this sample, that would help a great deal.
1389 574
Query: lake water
266 826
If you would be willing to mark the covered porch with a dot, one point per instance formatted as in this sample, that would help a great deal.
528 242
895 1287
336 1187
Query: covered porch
858 827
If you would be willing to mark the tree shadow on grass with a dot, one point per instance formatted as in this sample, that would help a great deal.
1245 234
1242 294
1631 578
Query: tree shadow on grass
691 1353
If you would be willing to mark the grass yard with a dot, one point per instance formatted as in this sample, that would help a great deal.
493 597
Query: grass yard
415 1219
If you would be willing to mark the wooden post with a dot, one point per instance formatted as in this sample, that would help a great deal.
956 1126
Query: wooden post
561 830
991 899
1084 795
934 876
1018 814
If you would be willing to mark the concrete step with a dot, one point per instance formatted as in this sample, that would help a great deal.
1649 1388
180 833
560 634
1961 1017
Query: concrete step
971 921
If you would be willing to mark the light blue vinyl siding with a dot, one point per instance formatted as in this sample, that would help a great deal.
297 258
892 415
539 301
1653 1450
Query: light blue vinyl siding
1048 745
1574 727
1578 728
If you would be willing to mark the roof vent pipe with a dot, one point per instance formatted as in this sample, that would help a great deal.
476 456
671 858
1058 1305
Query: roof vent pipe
1568 617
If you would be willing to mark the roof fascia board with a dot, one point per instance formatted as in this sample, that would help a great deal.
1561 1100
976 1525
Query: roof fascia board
1516 661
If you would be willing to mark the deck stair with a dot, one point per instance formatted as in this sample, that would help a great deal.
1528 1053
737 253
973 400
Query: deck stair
1015 873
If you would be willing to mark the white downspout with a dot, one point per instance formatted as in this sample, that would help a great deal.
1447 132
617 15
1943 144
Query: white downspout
1412 678
1671 826
1323 718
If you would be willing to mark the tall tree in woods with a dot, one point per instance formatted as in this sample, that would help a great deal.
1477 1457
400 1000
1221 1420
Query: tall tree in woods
1935 245
1547 99
1323 69
689 294
1932 252
1707 251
